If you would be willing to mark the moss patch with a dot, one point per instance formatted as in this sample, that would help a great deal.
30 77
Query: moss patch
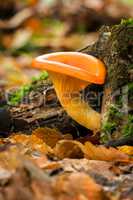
127 130
16 97
127 21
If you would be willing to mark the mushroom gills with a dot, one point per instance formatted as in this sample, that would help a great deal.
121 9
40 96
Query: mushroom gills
67 89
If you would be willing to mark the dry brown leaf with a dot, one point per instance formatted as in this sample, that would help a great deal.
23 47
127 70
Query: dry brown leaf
19 138
68 149
74 149
50 136
102 153
46 140
30 143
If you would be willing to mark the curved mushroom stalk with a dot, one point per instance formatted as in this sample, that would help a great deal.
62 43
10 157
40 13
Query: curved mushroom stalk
67 90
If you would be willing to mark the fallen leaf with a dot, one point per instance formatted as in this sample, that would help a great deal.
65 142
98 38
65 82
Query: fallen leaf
68 149
102 153
126 149
30 143
19 138
50 136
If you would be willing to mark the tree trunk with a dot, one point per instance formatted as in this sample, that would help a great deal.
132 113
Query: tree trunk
115 49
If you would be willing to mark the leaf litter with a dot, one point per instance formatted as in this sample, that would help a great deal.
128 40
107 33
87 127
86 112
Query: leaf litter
47 159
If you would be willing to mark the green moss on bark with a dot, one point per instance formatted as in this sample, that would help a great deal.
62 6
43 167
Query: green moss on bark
16 96
115 48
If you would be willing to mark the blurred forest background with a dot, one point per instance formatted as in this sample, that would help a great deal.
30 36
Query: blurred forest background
32 27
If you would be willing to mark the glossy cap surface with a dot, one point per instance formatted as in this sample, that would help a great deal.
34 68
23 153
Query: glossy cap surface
79 65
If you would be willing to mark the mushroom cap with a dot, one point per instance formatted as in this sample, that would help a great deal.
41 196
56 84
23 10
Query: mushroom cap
75 64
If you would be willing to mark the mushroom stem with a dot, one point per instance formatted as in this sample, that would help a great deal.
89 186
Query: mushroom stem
67 90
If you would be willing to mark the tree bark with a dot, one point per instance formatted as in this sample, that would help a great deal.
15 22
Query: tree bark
115 49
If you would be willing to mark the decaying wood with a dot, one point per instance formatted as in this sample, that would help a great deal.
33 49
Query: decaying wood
42 108
115 49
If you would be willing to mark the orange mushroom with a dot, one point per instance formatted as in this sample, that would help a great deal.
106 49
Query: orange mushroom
70 72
